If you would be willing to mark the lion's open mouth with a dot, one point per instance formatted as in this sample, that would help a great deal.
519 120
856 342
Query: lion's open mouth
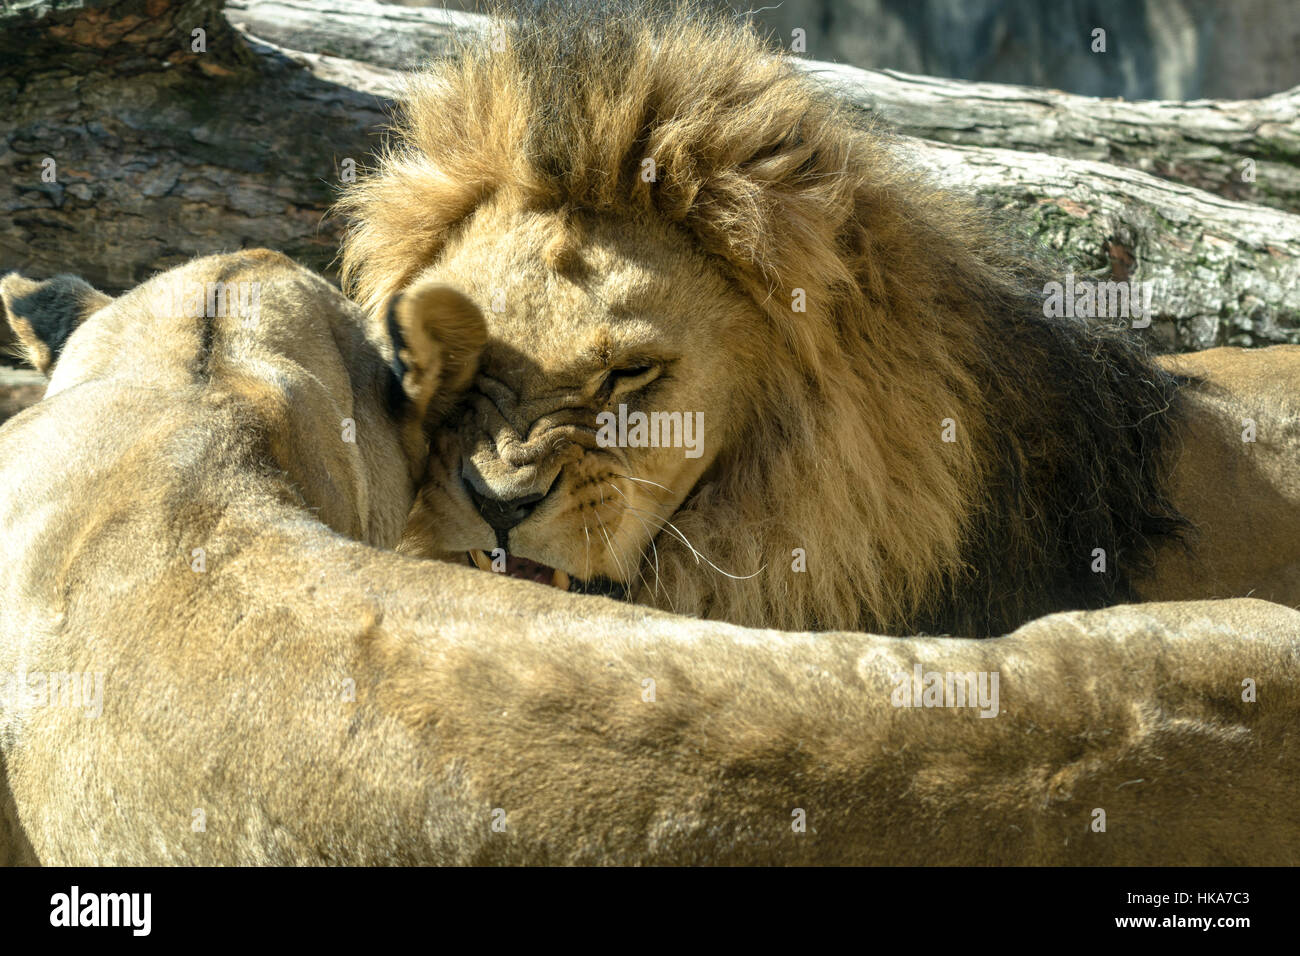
529 570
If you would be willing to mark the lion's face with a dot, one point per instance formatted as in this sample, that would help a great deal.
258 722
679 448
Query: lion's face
604 396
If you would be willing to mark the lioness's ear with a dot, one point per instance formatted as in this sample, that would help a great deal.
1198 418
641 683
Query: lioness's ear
437 337
43 314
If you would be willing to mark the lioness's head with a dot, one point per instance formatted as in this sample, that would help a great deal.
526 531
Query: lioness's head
342 402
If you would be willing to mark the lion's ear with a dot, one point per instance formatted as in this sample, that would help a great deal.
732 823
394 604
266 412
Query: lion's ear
437 335
43 314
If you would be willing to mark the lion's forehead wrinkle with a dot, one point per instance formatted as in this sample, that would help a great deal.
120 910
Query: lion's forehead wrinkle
569 371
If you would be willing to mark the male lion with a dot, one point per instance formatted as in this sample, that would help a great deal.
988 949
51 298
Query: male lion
744 363
226 678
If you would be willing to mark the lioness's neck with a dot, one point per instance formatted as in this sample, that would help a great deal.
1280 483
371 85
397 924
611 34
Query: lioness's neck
180 478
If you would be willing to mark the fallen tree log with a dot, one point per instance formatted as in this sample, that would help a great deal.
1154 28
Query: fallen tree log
159 152
1225 272
1244 149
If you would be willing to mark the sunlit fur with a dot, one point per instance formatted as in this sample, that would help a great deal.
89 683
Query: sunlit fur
918 310
310 699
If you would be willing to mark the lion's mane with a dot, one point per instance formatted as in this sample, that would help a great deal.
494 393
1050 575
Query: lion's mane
919 309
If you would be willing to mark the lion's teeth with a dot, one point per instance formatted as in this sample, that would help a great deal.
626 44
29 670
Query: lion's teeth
560 580
481 560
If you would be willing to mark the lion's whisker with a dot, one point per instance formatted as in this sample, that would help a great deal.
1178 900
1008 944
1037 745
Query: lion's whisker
698 556
609 544
644 481
666 524
653 546
586 565
641 574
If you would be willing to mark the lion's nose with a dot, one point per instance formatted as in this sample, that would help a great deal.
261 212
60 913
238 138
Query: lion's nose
502 515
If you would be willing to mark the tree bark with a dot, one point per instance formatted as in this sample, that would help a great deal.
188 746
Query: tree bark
162 153
1243 149
1225 272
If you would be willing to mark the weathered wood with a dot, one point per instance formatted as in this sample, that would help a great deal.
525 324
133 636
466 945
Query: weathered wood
399 38
1225 272
161 159
1206 143
1243 149
157 161
131 36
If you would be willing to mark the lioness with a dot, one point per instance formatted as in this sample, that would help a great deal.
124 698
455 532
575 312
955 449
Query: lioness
200 666
746 363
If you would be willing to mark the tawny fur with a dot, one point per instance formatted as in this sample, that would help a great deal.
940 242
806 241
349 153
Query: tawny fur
920 311
322 701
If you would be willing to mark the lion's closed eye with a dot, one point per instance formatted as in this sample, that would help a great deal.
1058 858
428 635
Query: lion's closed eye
631 372
628 378
632 376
